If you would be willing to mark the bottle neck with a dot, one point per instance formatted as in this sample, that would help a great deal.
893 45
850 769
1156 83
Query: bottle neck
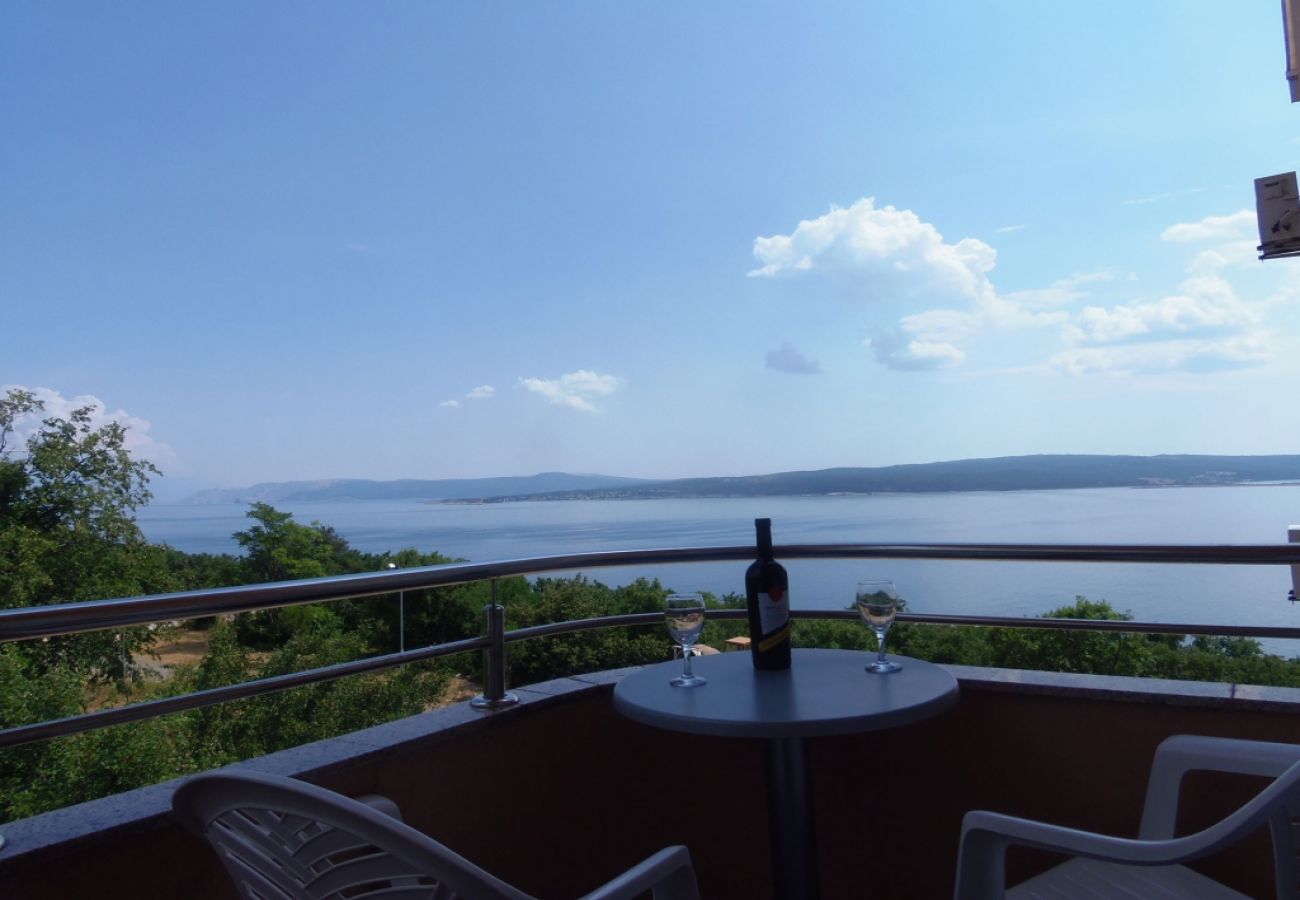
764 527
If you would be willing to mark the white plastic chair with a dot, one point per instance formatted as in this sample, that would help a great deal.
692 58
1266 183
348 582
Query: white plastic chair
281 838
1147 867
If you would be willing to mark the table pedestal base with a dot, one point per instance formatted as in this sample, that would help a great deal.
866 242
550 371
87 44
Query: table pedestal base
824 693
790 817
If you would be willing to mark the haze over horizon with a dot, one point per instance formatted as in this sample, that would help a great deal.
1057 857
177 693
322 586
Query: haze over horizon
301 242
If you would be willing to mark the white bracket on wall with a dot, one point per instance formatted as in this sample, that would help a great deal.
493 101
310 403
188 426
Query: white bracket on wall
1277 207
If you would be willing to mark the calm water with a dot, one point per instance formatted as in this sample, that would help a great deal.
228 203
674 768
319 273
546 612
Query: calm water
1210 594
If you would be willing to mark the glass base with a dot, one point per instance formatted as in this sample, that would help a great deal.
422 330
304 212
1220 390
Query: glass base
884 667
688 681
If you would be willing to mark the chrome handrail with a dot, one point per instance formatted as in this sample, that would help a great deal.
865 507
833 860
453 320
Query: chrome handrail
94 615
72 618
26 734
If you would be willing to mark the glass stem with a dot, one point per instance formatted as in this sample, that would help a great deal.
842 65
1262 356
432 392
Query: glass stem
686 661
880 644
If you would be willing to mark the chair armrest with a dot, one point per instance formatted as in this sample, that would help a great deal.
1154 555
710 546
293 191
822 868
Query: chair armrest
668 874
985 837
1183 753
994 831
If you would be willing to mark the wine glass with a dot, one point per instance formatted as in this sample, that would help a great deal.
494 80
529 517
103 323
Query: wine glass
877 602
684 614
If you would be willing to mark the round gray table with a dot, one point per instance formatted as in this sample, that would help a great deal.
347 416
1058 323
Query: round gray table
824 692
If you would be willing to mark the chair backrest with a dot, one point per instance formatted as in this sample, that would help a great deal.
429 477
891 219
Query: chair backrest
280 838
1279 804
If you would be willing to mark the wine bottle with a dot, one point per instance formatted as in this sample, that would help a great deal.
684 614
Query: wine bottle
767 598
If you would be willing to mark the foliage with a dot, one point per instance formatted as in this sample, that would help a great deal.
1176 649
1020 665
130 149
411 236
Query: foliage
270 722
568 599
48 775
276 548
68 532
1112 653
831 634
434 616
1174 656
36 777
280 549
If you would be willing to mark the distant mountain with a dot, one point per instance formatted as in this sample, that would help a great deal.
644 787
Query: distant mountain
412 489
1007 473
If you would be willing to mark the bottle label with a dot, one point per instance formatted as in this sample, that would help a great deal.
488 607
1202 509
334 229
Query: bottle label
773 610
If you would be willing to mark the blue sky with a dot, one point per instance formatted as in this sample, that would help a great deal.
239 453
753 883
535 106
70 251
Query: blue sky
298 241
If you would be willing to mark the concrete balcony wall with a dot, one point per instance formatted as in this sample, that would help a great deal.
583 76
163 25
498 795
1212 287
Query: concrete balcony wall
561 793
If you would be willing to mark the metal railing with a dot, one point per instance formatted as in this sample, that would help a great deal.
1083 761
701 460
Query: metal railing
73 618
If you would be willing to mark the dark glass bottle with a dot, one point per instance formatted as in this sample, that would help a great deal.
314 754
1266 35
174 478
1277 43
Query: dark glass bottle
767 598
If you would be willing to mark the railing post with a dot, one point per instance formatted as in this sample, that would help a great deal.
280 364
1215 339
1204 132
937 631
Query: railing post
1293 537
494 694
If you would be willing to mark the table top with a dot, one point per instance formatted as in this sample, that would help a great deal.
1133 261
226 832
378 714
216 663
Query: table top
824 692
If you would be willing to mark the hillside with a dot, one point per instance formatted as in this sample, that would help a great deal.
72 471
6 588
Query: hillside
1008 473
412 489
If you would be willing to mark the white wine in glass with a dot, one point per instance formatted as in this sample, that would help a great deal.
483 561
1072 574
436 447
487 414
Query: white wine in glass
877 603
684 615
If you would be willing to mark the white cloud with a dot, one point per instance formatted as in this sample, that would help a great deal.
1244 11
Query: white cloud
1156 198
1207 262
883 250
889 255
899 351
1206 305
482 392
1062 292
1201 308
944 325
1212 228
885 254
1203 327
138 441
575 390
1241 253
1008 228
788 359
1234 352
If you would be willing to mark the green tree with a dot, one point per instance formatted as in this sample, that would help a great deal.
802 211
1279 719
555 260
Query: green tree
276 548
248 728
567 599
433 616
1108 653
68 496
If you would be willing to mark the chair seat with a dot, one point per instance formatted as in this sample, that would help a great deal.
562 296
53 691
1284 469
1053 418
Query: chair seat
1089 879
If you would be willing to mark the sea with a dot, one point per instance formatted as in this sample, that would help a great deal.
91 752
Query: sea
1206 594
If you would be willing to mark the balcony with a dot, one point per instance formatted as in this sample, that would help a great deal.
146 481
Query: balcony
558 792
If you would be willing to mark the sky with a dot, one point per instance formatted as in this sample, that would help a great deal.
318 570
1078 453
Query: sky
296 241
